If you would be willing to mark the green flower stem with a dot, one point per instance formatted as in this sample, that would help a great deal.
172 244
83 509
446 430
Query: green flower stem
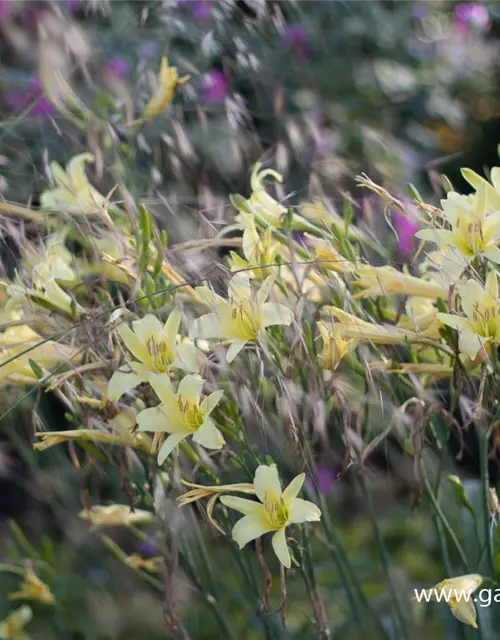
354 591
445 557
122 557
23 541
384 557
186 566
322 629
440 514
12 568
194 458
483 463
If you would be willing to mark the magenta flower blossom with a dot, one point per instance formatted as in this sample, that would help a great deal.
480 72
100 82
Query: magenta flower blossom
5 9
33 99
297 39
471 15
72 5
406 229
200 9
326 478
118 66
214 87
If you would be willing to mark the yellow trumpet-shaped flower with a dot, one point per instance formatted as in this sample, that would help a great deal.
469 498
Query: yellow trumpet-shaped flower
182 414
12 628
351 327
421 317
33 589
243 317
115 515
335 348
19 345
457 593
259 252
492 188
382 281
73 192
53 262
260 202
276 511
481 323
473 232
156 351
445 267
47 294
168 80
326 256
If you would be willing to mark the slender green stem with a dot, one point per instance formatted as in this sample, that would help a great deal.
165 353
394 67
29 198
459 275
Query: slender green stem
440 514
323 631
353 588
483 463
384 557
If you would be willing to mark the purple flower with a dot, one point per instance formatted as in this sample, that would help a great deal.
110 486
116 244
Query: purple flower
326 478
32 99
148 548
297 39
201 10
5 9
118 66
471 14
420 12
72 5
406 229
214 86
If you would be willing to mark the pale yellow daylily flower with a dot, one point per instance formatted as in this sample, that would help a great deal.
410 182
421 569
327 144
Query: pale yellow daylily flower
73 192
50 439
47 294
259 251
276 510
182 414
445 267
421 317
481 323
326 256
319 214
260 202
12 628
492 188
349 326
53 262
458 592
243 317
168 80
114 515
33 589
383 281
335 348
156 351
474 231
19 345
